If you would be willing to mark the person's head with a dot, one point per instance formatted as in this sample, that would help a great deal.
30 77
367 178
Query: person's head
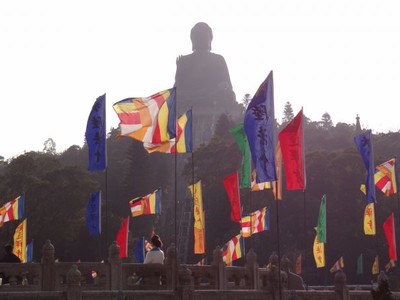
201 36
8 248
156 241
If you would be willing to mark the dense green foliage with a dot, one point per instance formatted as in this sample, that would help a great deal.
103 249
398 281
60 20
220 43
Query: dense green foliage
57 188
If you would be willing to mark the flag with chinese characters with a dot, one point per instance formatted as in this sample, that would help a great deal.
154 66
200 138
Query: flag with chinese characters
385 177
233 249
291 141
148 119
146 205
231 183
369 219
241 140
12 210
390 234
20 241
198 213
364 146
319 253
93 214
122 238
338 265
259 125
96 135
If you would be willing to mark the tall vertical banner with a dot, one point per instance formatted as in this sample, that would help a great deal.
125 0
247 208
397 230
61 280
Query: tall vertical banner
291 141
375 266
199 226
259 125
321 223
277 186
388 227
29 252
20 241
241 140
231 183
364 146
96 135
122 238
360 265
369 219
139 251
319 253
93 214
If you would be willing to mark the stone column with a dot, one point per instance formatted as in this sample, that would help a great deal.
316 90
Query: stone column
74 288
115 266
219 265
186 284
342 292
48 267
172 263
252 269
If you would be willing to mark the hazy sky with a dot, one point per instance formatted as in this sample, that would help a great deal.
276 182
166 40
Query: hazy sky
57 57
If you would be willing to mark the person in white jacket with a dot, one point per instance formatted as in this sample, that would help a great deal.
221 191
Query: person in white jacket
155 255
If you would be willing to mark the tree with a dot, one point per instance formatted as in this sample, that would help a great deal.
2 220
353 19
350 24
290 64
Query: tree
287 113
326 121
49 146
246 100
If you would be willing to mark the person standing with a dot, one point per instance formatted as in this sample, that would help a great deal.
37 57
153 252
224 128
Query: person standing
155 255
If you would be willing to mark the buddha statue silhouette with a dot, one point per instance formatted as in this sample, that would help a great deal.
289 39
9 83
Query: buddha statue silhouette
203 83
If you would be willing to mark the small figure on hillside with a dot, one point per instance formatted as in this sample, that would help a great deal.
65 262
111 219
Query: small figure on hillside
155 255
10 257
383 291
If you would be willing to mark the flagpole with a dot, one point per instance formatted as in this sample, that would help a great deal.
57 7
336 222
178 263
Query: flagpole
176 171
106 208
278 242
305 236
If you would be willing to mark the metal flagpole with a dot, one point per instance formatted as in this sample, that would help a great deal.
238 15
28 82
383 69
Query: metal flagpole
278 242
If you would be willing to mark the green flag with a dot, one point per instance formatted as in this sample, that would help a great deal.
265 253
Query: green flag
321 224
241 139
360 265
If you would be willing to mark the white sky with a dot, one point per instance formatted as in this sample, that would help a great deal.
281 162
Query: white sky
57 57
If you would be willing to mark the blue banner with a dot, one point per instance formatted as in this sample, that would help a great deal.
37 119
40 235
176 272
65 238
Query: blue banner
139 251
93 214
259 125
364 146
96 135
29 252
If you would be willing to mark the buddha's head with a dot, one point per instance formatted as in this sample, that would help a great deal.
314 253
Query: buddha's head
201 36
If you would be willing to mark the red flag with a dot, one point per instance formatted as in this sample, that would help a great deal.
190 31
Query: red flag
388 227
122 238
291 140
231 183
298 264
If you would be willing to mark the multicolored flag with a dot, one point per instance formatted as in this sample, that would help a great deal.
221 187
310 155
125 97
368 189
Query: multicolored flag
146 205
369 219
149 119
139 251
259 125
20 241
321 223
96 135
298 264
246 225
364 146
29 252
199 225
339 265
291 140
390 234
375 266
93 214
319 253
259 220
122 238
385 177
360 265
12 210
231 183
233 249
241 140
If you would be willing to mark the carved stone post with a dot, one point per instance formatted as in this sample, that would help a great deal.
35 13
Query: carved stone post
252 269
342 292
74 289
172 263
219 264
115 266
186 284
48 267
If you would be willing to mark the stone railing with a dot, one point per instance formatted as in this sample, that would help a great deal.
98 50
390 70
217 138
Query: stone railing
67 280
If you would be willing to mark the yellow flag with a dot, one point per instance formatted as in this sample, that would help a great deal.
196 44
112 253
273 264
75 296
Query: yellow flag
319 253
198 213
363 189
20 241
277 187
375 266
369 219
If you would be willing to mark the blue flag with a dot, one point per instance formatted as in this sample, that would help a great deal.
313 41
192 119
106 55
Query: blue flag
93 214
29 252
96 135
139 251
259 125
364 147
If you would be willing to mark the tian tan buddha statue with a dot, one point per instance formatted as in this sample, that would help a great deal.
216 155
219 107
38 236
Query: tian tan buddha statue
202 83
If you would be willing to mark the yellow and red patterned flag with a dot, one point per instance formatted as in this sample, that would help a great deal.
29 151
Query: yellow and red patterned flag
195 189
20 241
319 253
369 219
